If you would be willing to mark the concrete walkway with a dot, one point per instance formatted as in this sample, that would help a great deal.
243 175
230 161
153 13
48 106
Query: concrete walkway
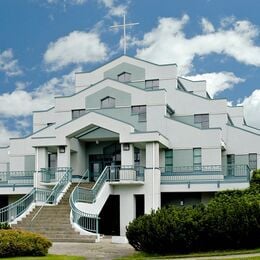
102 250
106 250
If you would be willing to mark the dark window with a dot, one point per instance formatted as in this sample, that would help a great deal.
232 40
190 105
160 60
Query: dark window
252 161
197 159
124 77
140 111
108 102
152 84
77 113
168 160
202 120
169 111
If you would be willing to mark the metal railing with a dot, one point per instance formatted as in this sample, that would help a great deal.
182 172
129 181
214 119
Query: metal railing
205 173
88 221
85 220
52 175
16 209
126 173
20 178
53 196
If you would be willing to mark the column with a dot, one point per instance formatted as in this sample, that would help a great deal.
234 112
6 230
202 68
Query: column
41 162
127 154
63 155
152 178
127 210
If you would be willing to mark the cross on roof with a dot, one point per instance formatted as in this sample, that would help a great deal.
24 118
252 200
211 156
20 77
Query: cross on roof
124 25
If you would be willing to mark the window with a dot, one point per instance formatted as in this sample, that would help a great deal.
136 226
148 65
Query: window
124 77
169 111
197 159
140 111
108 102
152 84
77 113
202 120
168 160
252 161
230 164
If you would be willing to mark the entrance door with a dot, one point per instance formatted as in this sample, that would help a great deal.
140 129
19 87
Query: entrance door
97 162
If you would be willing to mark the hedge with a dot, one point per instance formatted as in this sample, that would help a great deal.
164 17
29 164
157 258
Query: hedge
230 221
22 243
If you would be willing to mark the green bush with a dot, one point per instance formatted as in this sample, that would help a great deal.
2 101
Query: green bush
5 225
230 221
22 243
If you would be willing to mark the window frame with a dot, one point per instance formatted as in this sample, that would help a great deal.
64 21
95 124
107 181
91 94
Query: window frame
141 114
108 105
197 165
80 112
155 84
250 161
122 77
202 120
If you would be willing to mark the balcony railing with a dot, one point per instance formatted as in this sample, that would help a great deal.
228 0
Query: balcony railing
52 175
125 173
19 178
207 173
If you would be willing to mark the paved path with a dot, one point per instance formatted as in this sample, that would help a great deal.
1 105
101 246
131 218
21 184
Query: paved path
102 250
106 250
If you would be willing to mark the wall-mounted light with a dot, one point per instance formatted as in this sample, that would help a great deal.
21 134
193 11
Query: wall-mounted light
126 147
97 142
62 149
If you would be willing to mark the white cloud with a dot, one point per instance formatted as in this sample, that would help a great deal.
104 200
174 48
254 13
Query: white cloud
252 108
167 43
218 81
207 26
75 48
72 2
114 8
5 134
21 102
8 64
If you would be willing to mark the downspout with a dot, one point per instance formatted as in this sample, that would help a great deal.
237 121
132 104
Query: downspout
37 167
153 178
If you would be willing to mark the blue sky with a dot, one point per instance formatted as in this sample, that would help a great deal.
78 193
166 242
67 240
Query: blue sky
43 43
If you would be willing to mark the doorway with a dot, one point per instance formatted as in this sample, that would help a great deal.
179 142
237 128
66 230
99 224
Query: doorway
109 223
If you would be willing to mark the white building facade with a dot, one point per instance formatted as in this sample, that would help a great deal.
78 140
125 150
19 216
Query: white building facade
142 135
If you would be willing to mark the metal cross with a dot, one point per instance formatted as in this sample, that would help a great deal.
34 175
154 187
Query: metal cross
124 25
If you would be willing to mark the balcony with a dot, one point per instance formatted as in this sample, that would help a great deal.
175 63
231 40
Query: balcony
51 176
16 178
208 174
125 174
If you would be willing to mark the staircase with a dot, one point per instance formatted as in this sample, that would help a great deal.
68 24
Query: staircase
54 221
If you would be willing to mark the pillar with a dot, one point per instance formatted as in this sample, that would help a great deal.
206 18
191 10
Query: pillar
41 162
63 155
127 154
152 178
127 210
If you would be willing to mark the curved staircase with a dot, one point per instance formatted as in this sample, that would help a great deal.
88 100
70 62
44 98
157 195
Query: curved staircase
53 221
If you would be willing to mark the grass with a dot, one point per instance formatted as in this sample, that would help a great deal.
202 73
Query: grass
48 257
141 255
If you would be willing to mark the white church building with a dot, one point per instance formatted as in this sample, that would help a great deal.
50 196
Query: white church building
140 136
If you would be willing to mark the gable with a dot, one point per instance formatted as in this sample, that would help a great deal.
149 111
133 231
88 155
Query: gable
121 98
137 73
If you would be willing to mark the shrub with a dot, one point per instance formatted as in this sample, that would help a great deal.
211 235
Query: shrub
22 243
5 225
230 221
172 229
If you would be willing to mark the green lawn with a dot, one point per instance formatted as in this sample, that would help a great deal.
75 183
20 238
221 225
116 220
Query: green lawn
48 257
141 255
